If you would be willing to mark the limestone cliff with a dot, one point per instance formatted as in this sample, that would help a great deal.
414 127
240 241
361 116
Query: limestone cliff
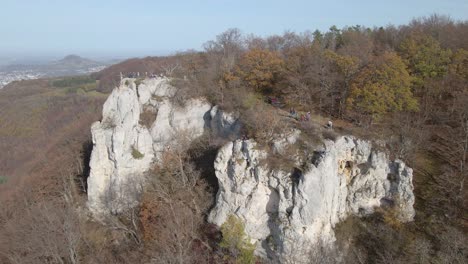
286 210
283 209
124 148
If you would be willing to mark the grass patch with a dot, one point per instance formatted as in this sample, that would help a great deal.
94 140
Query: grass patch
3 179
137 154
96 94
81 85
73 81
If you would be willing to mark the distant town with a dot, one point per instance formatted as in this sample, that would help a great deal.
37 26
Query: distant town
8 77
68 66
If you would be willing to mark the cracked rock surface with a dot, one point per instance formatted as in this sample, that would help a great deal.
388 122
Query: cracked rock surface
284 210
124 149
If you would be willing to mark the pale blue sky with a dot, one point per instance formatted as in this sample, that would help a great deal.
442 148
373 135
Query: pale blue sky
144 27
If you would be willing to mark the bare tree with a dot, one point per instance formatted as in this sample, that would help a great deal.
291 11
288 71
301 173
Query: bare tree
454 248
46 232
169 68
182 201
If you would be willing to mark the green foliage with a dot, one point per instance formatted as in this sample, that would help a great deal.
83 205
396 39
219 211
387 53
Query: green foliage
236 241
3 179
137 154
333 38
76 85
73 81
459 65
382 87
424 57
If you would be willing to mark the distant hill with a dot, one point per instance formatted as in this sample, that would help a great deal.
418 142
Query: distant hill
70 65
75 61
69 62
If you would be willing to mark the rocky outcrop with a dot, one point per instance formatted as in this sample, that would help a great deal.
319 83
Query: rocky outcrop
122 151
286 210
124 148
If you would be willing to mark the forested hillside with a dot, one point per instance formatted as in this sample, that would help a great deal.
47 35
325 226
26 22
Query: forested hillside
405 86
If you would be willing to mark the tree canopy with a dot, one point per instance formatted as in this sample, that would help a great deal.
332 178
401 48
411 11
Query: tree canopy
259 68
459 65
381 87
425 57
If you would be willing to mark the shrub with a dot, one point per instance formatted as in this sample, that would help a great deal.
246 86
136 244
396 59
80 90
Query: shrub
236 241
262 122
3 179
389 216
138 81
157 98
329 134
137 154
147 117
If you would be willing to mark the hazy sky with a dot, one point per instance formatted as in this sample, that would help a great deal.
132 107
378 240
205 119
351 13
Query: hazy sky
144 27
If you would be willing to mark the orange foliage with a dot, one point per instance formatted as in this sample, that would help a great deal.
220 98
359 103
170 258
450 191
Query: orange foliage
259 68
148 215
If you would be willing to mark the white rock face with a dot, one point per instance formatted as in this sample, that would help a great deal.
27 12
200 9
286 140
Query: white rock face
283 210
224 124
115 173
124 150
171 121
153 90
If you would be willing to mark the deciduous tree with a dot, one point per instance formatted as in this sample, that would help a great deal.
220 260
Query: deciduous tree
381 87
459 65
424 57
260 68
346 66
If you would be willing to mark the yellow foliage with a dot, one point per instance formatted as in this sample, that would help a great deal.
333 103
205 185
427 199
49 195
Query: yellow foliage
382 87
345 64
